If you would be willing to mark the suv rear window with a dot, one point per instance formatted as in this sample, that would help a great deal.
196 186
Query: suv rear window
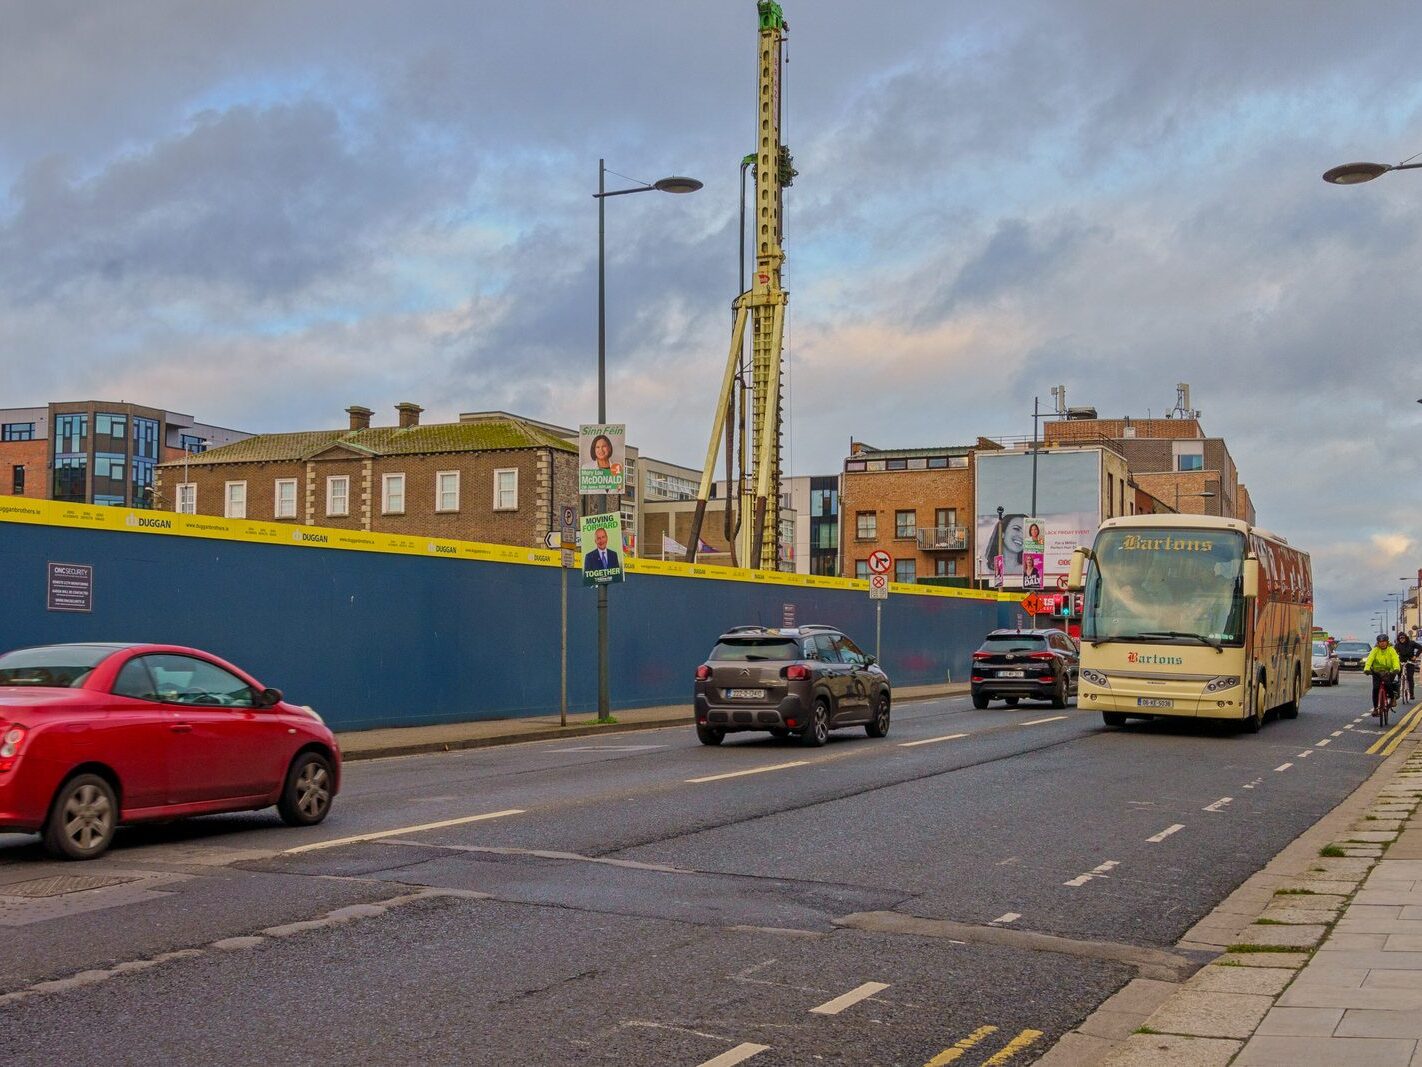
1015 643
756 648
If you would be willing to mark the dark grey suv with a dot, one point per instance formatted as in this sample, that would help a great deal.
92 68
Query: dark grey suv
805 681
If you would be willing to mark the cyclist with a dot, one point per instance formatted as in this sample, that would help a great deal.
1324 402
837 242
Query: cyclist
1408 651
1382 660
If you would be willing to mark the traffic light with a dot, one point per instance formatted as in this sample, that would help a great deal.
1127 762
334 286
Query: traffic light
1071 605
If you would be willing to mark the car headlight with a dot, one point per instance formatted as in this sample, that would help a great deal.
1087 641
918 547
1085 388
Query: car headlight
1095 678
1223 682
313 713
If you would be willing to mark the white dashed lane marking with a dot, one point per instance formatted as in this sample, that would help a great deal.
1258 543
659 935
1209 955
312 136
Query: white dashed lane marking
1304 755
1008 917
739 1054
1166 833
848 1000
402 831
1038 722
931 740
1095 872
753 770
1219 804
1325 741
1283 766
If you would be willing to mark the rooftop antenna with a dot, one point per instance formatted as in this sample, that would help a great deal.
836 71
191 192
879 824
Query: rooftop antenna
1059 396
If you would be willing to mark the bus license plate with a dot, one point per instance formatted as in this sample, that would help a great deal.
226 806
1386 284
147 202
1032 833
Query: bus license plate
1151 702
1009 674
746 694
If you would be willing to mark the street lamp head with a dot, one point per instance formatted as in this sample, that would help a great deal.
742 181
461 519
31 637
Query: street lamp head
1355 173
677 184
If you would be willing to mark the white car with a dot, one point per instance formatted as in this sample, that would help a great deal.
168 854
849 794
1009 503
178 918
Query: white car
1325 664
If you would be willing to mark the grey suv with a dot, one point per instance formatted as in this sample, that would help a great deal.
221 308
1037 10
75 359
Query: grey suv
805 681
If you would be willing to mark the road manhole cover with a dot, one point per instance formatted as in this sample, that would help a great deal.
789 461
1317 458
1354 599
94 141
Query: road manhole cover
59 885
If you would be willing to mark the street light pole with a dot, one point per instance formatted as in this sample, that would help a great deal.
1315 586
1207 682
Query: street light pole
673 184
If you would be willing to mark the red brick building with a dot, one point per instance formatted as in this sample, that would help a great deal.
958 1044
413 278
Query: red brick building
497 479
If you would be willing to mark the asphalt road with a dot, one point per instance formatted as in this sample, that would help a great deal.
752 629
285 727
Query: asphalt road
965 890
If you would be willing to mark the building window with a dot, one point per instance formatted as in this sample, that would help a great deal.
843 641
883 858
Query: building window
960 462
17 473
861 568
1188 462
945 568
896 464
392 494
937 463
824 534
866 525
187 498
70 474
905 523
71 434
506 490
943 518
854 465
190 444
286 498
338 495
111 432
18 431
235 506
447 491
1110 496
904 570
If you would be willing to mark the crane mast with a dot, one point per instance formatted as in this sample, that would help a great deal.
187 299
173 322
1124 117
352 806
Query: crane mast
763 304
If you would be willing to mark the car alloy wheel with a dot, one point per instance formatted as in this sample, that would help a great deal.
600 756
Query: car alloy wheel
879 725
817 729
306 797
82 822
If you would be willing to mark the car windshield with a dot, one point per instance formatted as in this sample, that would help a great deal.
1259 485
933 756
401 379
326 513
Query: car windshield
1353 646
1320 649
54 666
744 649
1014 643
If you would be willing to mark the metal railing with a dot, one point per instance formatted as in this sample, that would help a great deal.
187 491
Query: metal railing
943 538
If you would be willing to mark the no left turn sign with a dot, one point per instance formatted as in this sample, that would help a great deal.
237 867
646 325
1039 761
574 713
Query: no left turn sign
880 562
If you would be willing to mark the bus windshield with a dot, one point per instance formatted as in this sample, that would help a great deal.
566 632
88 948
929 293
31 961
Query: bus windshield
1166 584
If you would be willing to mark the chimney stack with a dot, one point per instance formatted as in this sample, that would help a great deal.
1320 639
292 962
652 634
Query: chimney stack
360 417
409 414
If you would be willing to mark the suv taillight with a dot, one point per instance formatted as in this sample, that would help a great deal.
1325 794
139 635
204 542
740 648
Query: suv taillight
703 673
982 655
797 673
1041 655
12 739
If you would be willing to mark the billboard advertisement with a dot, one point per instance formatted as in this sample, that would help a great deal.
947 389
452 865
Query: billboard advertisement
1009 553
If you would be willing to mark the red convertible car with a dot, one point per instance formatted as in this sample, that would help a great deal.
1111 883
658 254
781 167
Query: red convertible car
95 735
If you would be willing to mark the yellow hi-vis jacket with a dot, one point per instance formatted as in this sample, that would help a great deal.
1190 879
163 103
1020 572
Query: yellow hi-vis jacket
1382 659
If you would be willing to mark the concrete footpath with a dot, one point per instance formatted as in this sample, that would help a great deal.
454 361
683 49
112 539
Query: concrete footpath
1320 954
410 740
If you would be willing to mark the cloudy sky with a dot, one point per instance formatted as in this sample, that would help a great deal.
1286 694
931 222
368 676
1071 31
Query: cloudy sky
262 212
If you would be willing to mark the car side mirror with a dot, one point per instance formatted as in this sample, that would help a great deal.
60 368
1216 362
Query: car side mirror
269 698
869 661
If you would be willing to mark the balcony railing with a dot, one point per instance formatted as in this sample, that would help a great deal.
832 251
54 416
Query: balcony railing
943 539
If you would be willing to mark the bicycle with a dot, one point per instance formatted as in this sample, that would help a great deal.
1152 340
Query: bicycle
1409 672
1387 695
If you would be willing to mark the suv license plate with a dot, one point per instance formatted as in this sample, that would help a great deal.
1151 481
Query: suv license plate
746 694
1150 702
1010 674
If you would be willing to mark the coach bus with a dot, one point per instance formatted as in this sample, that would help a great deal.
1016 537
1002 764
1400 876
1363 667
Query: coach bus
1191 616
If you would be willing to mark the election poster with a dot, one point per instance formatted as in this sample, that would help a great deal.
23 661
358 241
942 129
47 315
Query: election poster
600 541
602 458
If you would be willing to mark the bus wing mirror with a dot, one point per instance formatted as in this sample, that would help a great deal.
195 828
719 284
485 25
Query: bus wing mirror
1251 579
1078 568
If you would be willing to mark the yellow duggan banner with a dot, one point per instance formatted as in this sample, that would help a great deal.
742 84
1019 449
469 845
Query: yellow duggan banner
18 509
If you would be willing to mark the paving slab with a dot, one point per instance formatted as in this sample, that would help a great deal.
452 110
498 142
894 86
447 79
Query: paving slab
1291 915
1267 981
1204 1014
1152 1050
1325 1052
1357 942
1284 936
1300 1022
1292 960
1301 995
1077 1050
1367 1022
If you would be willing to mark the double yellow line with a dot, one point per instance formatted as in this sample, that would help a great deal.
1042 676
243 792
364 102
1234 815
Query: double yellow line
1388 742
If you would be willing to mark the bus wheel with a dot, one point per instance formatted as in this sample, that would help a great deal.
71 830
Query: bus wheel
1113 718
1291 709
1256 715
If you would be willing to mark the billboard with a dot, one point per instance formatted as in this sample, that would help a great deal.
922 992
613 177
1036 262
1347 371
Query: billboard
1068 512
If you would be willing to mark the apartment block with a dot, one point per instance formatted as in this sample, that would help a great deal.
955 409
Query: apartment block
97 451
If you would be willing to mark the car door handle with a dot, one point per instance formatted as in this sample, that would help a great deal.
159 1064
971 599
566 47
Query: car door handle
181 727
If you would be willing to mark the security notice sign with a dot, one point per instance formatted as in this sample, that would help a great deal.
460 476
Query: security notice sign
70 587
878 587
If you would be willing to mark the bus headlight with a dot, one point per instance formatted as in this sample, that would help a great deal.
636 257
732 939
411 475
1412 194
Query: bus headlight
1095 678
1223 682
